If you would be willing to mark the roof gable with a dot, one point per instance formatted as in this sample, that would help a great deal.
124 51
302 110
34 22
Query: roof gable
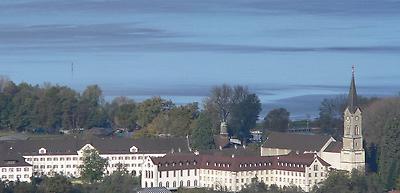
296 142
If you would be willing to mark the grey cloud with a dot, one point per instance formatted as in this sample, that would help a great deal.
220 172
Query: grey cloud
325 7
164 46
112 32
117 6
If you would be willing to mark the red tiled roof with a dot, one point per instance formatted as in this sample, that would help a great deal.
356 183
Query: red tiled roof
291 162
297 142
334 147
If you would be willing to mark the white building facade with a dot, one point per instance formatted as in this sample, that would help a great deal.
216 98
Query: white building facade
233 173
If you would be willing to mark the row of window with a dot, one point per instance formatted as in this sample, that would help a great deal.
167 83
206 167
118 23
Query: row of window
174 173
255 164
11 177
76 158
316 174
188 184
53 166
180 164
26 169
54 159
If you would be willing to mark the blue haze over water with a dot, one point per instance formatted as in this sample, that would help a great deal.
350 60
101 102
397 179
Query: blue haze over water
292 53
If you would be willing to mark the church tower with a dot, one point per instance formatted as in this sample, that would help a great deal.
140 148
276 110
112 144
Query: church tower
352 155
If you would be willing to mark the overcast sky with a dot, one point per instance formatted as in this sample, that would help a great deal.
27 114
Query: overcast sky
150 46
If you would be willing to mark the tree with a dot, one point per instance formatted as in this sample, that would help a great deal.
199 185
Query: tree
244 115
341 181
175 121
389 165
93 167
56 184
91 112
123 112
22 115
331 115
221 100
202 135
119 181
235 106
277 120
150 108
376 116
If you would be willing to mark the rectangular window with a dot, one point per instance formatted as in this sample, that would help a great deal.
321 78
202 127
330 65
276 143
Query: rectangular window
18 169
48 159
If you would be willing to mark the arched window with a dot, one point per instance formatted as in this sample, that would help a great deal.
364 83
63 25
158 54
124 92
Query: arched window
151 184
160 184
188 183
145 184
357 130
167 184
181 183
348 130
195 182
174 184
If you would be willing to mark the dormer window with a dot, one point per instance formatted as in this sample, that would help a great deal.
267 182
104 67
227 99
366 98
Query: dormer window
133 149
42 151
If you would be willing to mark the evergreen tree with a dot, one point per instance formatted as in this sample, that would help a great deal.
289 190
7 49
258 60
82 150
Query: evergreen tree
389 164
202 135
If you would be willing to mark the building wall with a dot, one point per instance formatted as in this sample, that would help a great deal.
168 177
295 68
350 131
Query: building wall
274 151
332 158
233 181
22 173
68 165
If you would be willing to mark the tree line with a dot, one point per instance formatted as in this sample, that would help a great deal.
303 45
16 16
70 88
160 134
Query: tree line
26 107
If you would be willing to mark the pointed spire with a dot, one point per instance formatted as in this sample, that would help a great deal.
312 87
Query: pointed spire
352 98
